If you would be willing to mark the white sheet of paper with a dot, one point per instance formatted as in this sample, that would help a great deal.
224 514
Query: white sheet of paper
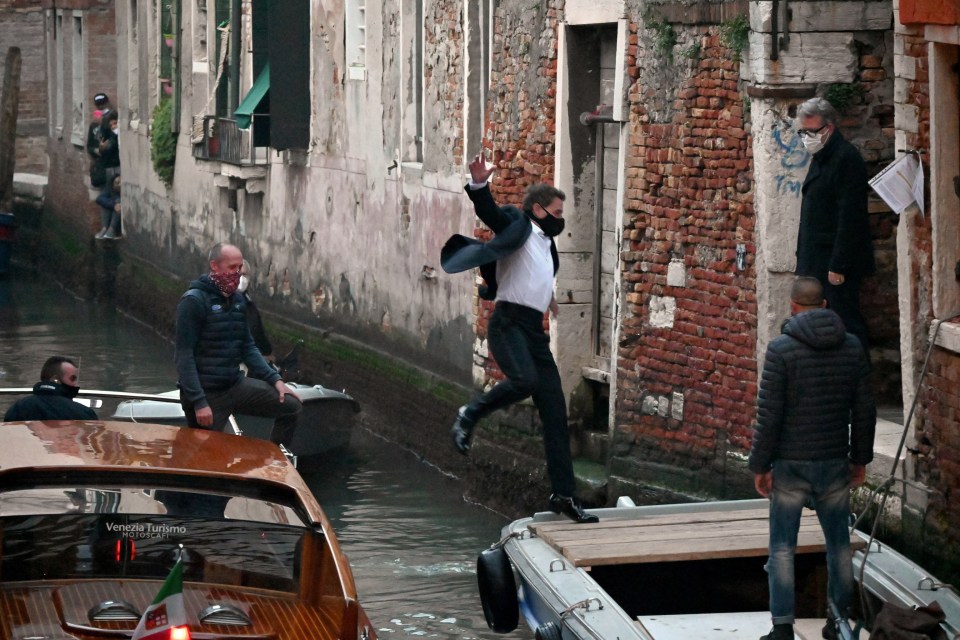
900 184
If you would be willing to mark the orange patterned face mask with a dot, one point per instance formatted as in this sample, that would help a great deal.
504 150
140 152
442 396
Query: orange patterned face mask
226 282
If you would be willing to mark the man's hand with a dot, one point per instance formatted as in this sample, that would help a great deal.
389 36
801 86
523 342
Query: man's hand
763 482
116 207
480 169
858 474
554 307
835 278
204 416
284 390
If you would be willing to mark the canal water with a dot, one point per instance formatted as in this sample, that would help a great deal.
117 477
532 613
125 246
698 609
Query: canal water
411 538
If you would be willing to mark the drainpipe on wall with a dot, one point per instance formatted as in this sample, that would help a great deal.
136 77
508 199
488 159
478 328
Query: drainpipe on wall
603 115
233 97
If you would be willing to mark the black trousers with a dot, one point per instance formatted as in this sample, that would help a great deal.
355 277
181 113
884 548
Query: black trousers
844 299
250 397
522 350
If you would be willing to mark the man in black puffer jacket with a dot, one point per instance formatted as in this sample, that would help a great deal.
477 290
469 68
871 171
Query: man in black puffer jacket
814 437
212 340
52 397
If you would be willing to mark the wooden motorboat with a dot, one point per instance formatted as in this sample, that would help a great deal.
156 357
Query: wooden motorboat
680 571
94 514
326 424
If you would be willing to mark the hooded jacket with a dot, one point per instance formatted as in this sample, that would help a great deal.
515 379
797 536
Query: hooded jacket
212 340
814 401
50 401
511 227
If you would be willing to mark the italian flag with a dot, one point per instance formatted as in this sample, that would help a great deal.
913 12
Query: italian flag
166 618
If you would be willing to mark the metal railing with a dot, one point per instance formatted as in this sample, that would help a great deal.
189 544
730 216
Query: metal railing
224 141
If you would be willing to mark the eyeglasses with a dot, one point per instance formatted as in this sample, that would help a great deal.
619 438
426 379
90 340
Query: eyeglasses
809 133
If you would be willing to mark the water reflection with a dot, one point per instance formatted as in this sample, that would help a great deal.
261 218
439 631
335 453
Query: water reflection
411 540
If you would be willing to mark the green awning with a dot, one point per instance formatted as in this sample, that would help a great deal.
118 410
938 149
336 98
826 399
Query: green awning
244 113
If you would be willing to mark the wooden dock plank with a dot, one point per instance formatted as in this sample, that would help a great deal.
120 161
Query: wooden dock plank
668 536
679 518
669 539
664 532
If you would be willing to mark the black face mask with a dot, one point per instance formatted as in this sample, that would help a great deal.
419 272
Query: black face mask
550 225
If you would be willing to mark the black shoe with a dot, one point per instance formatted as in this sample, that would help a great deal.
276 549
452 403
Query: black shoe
462 431
829 631
571 508
780 632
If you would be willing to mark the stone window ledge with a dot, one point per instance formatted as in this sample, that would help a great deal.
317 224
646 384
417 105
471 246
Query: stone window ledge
948 337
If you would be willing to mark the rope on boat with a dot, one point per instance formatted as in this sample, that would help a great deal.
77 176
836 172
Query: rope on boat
884 489
583 604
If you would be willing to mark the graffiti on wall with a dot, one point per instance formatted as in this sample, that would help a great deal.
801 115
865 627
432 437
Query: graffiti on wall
791 158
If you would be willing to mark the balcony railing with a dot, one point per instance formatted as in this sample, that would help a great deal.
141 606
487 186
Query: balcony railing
225 142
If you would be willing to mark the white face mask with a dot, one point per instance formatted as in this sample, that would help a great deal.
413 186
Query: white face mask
244 281
813 143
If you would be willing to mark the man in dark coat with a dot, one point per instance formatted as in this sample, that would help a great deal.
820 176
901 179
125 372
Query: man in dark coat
813 439
519 265
212 340
833 243
53 396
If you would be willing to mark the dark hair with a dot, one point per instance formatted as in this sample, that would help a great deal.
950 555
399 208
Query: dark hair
807 292
108 116
542 194
53 367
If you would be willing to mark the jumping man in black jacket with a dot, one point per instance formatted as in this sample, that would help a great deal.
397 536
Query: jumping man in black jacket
813 440
212 339
518 266
52 397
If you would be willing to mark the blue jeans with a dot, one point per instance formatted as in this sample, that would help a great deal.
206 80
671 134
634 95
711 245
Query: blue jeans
825 486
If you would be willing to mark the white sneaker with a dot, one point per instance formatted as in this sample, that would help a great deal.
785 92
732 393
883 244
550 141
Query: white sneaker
109 235
101 233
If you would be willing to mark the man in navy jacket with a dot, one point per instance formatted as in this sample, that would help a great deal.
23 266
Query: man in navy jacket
813 439
212 340
518 266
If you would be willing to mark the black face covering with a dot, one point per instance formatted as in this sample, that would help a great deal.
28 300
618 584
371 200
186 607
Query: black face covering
70 391
550 225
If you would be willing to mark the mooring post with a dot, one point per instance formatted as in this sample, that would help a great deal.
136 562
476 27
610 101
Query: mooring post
9 108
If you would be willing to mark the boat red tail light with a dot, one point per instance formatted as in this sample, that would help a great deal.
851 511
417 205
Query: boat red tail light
180 633
118 549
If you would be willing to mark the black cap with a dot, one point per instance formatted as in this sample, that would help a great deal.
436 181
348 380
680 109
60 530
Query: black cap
100 98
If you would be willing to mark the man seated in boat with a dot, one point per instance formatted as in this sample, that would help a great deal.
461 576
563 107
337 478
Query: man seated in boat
813 439
212 339
52 397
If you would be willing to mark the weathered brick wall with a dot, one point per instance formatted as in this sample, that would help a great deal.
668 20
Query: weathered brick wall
686 364
868 122
443 83
521 122
936 424
22 25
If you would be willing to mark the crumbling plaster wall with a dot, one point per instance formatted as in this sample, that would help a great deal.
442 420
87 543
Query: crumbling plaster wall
339 235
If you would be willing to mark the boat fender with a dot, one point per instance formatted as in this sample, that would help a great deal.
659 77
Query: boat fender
498 590
548 631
